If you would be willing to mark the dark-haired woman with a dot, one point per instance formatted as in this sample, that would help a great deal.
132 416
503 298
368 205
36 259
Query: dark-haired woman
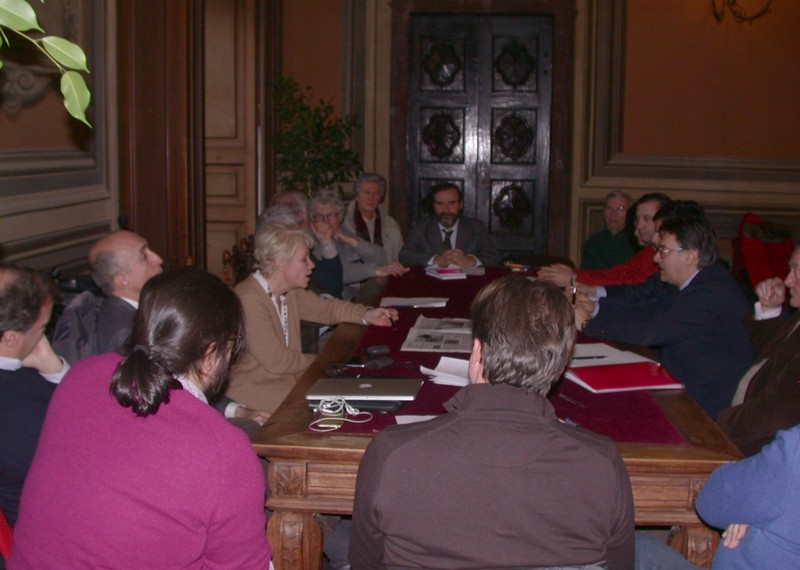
133 468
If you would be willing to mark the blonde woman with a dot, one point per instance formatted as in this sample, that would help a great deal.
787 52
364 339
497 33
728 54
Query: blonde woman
274 301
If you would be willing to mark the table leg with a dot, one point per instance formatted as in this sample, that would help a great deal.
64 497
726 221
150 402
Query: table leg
296 541
696 542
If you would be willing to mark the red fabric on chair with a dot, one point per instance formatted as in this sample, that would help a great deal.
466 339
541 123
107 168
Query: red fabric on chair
6 535
764 248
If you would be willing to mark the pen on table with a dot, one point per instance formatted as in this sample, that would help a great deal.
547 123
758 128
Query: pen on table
588 357
571 400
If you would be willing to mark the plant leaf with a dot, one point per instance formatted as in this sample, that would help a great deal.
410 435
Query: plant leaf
76 95
65 52
18 15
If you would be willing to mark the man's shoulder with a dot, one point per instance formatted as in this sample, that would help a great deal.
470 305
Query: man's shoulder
115 305
471 223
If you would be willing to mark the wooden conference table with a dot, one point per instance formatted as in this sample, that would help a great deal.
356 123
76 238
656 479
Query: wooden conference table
315 473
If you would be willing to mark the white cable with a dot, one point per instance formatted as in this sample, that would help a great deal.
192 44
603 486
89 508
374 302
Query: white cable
337 409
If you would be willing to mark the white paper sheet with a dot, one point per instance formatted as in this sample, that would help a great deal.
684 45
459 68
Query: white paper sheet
601 354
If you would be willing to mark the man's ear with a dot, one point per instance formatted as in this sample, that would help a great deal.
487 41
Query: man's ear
10 339
120 281
475 372
209 359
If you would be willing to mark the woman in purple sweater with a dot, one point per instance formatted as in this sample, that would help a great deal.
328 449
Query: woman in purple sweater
133 468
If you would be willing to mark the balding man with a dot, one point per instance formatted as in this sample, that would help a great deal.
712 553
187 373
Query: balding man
613 244
122 262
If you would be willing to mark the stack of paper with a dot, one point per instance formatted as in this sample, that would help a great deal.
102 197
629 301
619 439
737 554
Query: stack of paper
447 273
439 335
449 371
414 302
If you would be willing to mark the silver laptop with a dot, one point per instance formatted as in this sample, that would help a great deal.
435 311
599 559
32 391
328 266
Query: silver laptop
364 389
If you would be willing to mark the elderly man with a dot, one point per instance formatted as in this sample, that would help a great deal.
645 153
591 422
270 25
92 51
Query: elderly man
499 480
365 218
359 259
768 398
448 237
121 262
636 270
696 321
613 244
29 372
297 201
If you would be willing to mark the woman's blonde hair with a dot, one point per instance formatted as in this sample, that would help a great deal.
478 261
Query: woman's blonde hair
276 241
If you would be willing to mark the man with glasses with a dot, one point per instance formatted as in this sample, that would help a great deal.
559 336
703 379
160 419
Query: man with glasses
768 397
342 259
614 244
695 321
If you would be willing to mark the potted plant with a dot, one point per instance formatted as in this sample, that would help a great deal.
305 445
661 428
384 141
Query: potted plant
310 142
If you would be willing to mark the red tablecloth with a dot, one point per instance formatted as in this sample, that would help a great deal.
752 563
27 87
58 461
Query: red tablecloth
625 417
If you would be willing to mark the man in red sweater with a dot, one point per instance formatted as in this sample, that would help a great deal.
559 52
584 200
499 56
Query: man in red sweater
636 270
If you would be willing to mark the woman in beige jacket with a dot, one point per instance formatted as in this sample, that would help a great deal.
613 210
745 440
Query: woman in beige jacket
274 301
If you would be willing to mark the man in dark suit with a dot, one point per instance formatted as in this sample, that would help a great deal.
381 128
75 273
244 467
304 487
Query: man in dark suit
29 372
447 237
698 328
768 398
122 262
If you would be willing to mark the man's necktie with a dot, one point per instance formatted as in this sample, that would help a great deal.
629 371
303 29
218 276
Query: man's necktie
448 244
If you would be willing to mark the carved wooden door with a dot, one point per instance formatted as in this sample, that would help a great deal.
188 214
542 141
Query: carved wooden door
479 116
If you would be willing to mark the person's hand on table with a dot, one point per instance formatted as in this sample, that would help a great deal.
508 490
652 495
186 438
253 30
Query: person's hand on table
395 269
734 534
771 293
381 317
454 257
43 358
257 416
558 273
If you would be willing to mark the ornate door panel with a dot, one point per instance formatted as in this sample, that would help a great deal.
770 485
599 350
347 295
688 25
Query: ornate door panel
479 115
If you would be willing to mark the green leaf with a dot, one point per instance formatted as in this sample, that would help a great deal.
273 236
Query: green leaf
65 52
76 95
18 15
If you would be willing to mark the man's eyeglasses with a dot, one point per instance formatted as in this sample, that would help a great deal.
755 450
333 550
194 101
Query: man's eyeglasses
664 251
326 217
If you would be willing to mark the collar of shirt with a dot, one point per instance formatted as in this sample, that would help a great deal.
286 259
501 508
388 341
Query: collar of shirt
131 302
686 283
192 388
10 364
453 236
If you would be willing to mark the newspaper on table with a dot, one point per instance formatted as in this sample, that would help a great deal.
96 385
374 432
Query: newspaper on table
439 335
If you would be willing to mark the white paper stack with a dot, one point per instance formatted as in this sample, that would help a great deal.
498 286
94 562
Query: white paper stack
449 371
600 354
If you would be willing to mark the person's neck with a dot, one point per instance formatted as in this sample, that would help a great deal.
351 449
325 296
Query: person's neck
370 215
277 286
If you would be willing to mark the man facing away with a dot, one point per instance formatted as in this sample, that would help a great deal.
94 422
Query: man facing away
122 262
448 237
29 372
613 244
499 480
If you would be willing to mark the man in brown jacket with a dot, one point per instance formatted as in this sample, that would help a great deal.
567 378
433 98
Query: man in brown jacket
499 480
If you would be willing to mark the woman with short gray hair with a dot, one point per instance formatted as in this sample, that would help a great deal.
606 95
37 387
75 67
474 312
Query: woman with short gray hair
366 220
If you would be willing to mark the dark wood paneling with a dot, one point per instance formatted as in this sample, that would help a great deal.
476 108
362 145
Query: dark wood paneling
161 125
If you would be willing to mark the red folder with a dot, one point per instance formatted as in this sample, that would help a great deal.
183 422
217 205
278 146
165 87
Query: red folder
623 377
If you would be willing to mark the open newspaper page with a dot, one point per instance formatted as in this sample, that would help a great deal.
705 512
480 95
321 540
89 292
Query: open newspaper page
439 335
